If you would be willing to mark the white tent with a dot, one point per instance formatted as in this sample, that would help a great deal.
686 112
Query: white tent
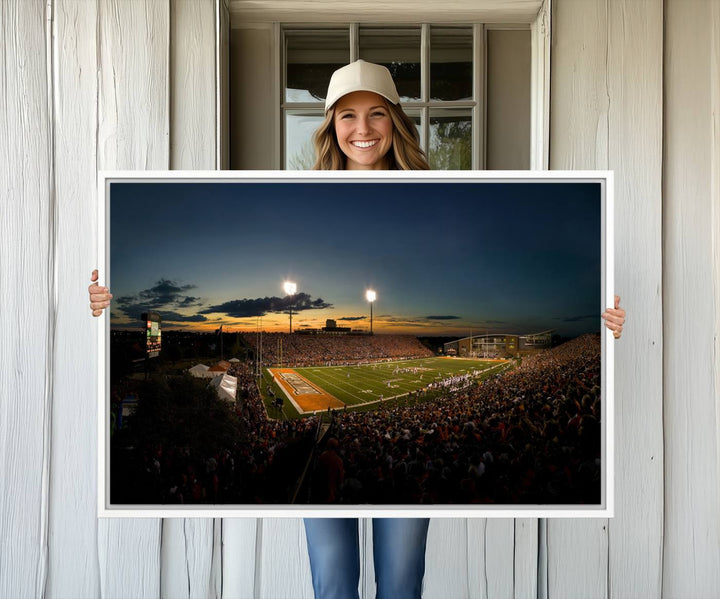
201 371
226 386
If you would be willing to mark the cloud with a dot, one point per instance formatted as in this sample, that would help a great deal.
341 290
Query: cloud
352 318
577 318
442 317
164 298
176 317
243 308
391 318
190 301
166 291
399 319
420 322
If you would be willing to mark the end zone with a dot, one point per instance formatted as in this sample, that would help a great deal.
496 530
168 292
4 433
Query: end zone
304 395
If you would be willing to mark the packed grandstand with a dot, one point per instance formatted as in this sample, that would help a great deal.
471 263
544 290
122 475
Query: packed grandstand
529 435
325 350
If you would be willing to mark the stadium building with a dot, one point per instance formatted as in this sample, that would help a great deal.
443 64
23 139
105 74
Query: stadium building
331 328
500 345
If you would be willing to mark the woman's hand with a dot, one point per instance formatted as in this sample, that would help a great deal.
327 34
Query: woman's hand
615 318
99 296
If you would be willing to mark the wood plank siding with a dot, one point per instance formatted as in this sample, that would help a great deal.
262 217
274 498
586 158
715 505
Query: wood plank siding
691 202
606 113
119 84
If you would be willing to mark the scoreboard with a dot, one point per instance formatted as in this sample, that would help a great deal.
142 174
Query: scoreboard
153 334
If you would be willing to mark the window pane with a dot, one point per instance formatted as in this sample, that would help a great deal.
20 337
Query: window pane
414 114
311 58
450 139
399 51
299 149
451 54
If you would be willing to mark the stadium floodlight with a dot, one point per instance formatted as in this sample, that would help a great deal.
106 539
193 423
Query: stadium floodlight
290 289
371 296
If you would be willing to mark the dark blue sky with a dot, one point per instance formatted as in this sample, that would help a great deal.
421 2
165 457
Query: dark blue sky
444 258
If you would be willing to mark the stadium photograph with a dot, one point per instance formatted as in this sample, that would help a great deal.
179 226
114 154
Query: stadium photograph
371 343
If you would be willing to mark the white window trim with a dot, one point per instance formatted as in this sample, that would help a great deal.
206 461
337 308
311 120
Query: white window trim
539 88
476 106
383 11
278 131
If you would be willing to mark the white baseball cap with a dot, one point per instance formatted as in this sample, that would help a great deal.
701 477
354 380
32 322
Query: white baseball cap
361 76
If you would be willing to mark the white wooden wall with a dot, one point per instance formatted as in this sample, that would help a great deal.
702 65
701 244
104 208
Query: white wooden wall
606 113
691 250
635 87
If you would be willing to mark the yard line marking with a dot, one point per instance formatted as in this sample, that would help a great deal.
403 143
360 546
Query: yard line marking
331 384
318 399
373 378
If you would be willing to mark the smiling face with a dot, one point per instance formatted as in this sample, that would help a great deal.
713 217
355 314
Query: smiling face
364 130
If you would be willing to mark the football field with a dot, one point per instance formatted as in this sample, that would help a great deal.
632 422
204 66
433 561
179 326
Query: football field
318 388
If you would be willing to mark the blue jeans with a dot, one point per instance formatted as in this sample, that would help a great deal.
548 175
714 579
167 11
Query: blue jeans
398 552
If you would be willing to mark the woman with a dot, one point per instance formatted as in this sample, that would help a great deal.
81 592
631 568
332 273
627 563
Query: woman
365 129
363 122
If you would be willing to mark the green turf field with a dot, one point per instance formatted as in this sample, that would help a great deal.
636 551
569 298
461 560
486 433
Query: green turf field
354 385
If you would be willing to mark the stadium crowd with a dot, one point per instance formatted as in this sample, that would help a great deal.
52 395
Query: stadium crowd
531 435
331 350
266 462
262 465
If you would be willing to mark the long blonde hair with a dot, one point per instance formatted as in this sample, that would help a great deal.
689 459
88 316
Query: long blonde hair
405 154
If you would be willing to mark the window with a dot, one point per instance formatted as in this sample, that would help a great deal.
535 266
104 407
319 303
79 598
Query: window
467 87
434 67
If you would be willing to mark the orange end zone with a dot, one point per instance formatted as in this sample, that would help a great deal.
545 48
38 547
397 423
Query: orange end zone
306 396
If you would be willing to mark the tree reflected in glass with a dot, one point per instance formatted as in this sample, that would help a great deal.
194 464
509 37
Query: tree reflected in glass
450 145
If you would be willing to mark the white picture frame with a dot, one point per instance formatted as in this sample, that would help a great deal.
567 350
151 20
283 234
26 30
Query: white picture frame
604 509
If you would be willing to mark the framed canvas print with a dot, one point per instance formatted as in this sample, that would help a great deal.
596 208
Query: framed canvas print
356 344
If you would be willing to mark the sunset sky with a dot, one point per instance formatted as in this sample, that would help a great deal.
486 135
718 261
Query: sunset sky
444 258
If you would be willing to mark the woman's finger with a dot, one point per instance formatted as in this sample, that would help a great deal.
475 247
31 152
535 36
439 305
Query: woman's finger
613 318
616 328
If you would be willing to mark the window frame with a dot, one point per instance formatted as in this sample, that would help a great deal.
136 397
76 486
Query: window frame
476 106
540 30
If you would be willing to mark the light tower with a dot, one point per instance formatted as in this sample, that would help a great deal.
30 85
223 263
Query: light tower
371 296
290 289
